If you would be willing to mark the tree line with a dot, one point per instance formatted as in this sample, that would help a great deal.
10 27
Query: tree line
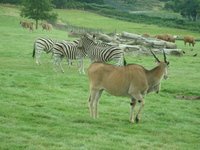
43 10
189 9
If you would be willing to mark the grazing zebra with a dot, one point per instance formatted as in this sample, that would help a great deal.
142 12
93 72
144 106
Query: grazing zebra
42 44
70 51
98 51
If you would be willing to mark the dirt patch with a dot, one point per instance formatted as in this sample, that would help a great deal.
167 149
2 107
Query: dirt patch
191 98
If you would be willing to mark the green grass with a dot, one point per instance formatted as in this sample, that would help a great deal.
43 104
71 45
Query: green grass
41 109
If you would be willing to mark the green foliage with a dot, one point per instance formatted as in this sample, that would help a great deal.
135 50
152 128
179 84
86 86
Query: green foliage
11 1
130 1
38 10
88 6
59 3
76 3
142 18
91 1
187 8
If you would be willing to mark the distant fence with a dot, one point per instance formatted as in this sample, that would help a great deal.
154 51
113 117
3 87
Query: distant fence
71 28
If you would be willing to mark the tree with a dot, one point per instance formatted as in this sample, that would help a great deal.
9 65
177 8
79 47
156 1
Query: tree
188 8
91 1
38 10
10 1
59 3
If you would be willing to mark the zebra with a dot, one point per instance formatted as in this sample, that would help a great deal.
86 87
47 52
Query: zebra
70 51
98 51
42 44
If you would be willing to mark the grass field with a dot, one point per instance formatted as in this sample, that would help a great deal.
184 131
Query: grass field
41 109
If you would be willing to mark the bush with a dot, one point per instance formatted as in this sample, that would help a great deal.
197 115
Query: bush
179 21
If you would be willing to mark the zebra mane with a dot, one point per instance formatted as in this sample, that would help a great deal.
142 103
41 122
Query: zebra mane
92 38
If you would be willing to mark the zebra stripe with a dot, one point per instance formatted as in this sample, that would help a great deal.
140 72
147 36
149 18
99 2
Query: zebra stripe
98 51
71 51
42 44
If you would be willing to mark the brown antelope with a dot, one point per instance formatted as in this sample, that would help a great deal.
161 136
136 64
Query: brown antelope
133 81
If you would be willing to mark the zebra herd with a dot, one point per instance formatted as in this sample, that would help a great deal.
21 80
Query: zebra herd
86 46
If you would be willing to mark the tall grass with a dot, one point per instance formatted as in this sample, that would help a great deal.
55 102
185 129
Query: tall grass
41 109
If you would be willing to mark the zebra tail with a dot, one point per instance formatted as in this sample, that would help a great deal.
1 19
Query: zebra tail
33 50
125 63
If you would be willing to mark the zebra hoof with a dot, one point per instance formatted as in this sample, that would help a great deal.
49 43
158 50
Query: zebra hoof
131 121
137 119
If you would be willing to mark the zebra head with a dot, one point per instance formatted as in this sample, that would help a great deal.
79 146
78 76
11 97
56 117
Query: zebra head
87 39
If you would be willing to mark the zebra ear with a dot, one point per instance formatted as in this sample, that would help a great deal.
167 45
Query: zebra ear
94 36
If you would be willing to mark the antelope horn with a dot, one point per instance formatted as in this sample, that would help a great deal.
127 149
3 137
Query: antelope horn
165 58
155 56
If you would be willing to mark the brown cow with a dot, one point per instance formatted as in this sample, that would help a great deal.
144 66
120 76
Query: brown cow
146 35
24 24
171 38
46 26
189 39
162 37
29 25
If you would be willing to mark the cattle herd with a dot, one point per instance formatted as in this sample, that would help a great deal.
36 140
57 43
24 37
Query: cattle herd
133 81
167 37
30 26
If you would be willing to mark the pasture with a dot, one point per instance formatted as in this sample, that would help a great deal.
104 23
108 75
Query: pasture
41 109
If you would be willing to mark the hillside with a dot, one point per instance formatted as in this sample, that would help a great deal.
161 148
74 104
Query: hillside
92 20
139 5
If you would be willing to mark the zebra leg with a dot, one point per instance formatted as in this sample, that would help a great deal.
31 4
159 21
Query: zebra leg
50 58
69 63
79 66
82 66
55 63
38 57
118 62
59 63
77 63
92 61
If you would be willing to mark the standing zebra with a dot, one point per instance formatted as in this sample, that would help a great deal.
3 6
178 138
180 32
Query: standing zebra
102 52
70 51
42 44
